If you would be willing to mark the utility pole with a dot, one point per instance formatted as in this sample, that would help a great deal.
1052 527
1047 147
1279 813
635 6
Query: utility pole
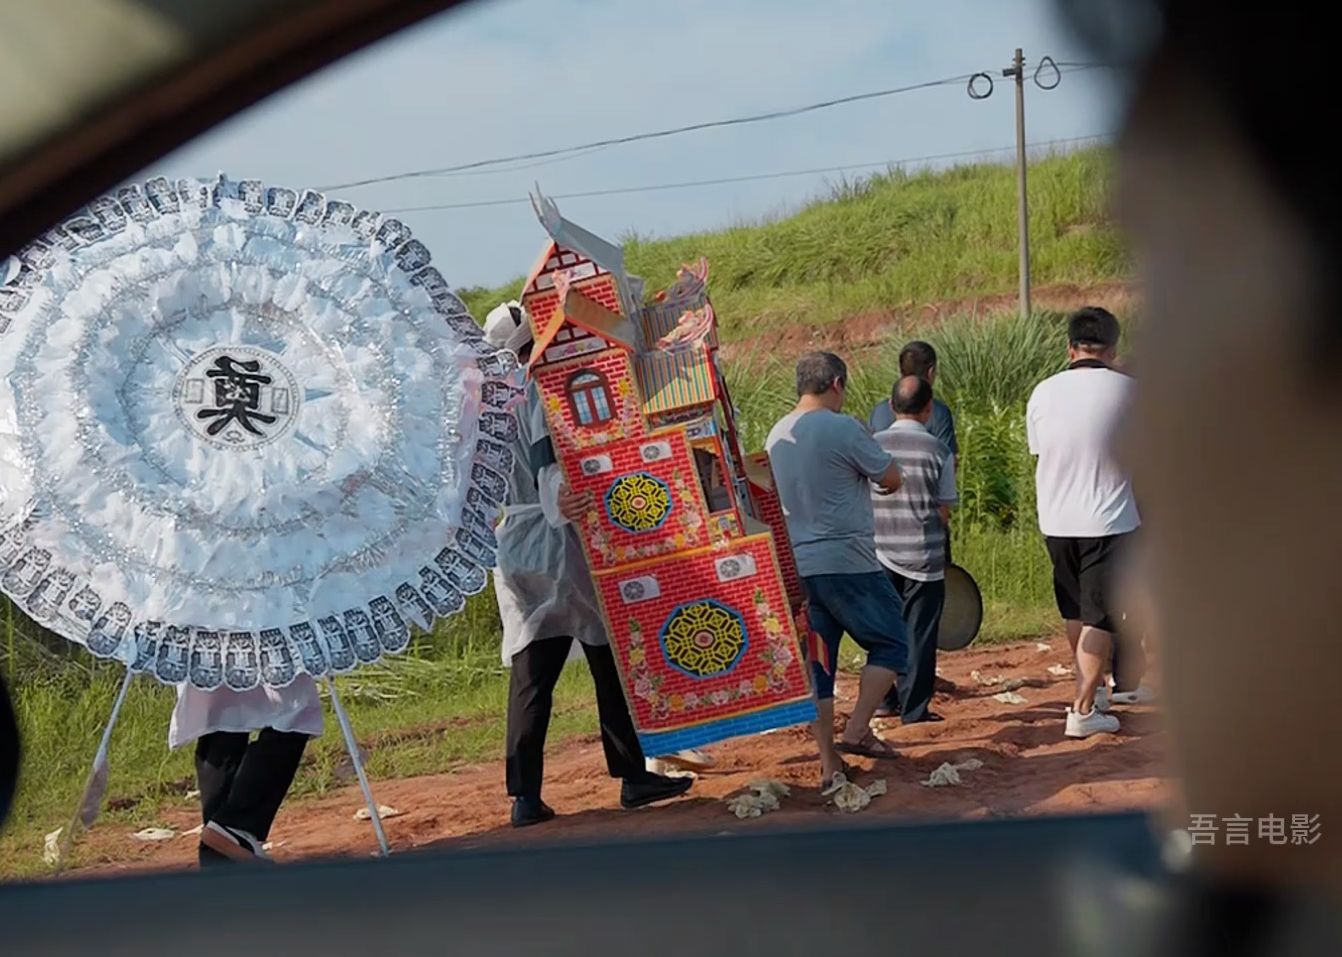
1017 72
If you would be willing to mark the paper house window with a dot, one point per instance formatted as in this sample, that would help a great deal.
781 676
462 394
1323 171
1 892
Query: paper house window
589 397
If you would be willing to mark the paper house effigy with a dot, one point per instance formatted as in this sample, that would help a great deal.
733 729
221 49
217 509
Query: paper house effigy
685 539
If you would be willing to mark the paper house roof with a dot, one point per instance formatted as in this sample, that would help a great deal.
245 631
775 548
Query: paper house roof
603 253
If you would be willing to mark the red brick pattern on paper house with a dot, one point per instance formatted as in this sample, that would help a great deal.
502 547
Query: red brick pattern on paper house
601 290
651 485
771 510
566 432
682 665
540 306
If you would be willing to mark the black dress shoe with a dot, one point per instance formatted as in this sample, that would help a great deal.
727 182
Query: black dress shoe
646 788
889 708
528 811
927 716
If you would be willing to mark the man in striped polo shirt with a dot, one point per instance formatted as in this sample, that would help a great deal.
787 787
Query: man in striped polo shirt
911 540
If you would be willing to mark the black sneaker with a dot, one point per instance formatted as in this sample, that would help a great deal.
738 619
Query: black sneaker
531 810
640 790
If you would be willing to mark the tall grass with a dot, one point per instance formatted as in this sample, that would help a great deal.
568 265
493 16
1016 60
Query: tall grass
994 363
895 239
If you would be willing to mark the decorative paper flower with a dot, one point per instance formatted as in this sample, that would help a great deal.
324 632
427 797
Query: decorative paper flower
250 433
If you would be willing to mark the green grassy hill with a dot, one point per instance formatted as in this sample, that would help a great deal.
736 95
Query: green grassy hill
891 240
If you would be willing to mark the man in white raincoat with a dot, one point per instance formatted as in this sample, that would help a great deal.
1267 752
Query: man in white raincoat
243 782
546 600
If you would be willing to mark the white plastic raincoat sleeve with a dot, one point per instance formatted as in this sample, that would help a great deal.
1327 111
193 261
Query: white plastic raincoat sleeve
542 583
548 485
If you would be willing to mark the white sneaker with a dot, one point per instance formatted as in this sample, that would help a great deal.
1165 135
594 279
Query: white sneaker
1102 699
1084 725
1143 695
233 843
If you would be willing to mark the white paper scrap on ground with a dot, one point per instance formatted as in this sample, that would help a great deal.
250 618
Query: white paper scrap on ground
154 834
944 776
762 797
383 811
847 796
1059 671
51 848
948 775
1041 646
1009 697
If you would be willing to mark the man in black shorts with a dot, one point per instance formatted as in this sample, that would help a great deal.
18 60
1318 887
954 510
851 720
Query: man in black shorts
1086 507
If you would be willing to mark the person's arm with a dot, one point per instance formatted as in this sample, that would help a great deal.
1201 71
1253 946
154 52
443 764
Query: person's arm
574 506
952 442
867 456
890 480
947 495
1031 435
560 504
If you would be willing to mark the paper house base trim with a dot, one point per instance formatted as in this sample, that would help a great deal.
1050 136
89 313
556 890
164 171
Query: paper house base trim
736 726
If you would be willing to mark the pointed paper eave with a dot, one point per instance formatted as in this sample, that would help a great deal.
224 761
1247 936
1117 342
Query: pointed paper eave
607 255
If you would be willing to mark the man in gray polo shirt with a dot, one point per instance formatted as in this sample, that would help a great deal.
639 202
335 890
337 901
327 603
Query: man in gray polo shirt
911 539
824 463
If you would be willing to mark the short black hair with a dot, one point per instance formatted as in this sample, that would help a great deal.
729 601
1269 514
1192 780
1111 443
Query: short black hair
911 394
917 358
1092 327
817 371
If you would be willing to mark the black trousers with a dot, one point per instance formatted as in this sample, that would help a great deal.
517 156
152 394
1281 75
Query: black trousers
535 671
9 752
923 603
243 782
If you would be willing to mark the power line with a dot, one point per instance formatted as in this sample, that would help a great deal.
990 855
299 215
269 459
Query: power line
494 171
743 179
655 134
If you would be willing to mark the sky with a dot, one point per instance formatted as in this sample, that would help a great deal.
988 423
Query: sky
497 78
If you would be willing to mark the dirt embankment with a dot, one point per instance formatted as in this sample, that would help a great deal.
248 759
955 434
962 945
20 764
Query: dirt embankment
873 329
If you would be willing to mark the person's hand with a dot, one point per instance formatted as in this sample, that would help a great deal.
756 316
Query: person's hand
573 505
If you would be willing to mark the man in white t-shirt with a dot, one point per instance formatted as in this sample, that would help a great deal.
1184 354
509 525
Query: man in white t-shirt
1086 506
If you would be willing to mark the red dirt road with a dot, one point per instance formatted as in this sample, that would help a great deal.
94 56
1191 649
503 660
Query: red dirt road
1028 768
